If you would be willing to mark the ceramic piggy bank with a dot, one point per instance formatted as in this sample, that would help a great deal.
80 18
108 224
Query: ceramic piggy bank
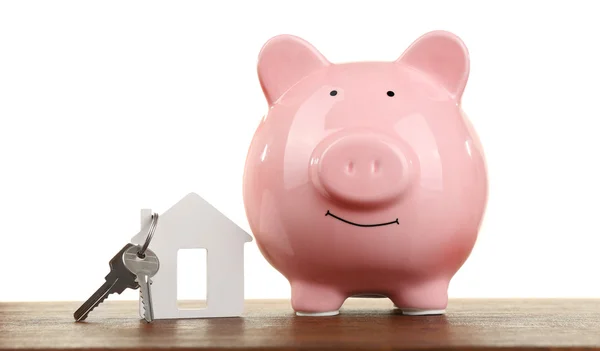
365 178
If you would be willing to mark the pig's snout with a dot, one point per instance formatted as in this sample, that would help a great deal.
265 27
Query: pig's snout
365 169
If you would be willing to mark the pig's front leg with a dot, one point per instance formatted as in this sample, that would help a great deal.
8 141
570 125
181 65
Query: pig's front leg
421 299
310 299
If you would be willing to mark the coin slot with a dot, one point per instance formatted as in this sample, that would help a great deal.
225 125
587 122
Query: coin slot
191 278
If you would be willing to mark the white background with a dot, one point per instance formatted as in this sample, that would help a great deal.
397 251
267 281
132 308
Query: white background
108 107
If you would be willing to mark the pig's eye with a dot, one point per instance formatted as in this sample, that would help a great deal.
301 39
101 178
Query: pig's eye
390 93
333 93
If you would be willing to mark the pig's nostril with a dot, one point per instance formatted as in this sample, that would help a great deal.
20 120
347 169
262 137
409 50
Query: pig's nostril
375 167
350 167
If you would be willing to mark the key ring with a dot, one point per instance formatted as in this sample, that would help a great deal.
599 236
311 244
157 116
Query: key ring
142 252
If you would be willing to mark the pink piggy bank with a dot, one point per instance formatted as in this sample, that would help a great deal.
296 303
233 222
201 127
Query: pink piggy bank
365 178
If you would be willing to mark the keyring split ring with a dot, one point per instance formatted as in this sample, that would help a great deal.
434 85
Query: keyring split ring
142 252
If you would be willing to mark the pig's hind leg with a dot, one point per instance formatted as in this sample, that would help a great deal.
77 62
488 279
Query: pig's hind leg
422 299
310 299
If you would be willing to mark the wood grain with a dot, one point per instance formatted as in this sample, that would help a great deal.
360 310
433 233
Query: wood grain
364 324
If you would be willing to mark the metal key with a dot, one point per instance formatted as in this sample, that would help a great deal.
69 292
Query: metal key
119 279
144 266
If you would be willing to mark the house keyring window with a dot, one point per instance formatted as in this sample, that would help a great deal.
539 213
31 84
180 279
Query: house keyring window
142 252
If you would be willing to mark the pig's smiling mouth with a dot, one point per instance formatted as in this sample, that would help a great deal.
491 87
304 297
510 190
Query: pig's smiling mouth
360 225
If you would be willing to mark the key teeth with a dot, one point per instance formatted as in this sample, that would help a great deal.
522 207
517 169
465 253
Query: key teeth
99 302
84 317
144 302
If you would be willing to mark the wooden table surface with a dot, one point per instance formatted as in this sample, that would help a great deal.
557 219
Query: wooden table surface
543 324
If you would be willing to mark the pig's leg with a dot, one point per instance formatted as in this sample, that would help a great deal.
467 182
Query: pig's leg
310 299
426 298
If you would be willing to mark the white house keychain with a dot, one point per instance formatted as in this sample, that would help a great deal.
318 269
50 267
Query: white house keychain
193 223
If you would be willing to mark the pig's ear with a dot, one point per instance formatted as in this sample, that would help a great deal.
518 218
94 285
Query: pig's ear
443 56
283 61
